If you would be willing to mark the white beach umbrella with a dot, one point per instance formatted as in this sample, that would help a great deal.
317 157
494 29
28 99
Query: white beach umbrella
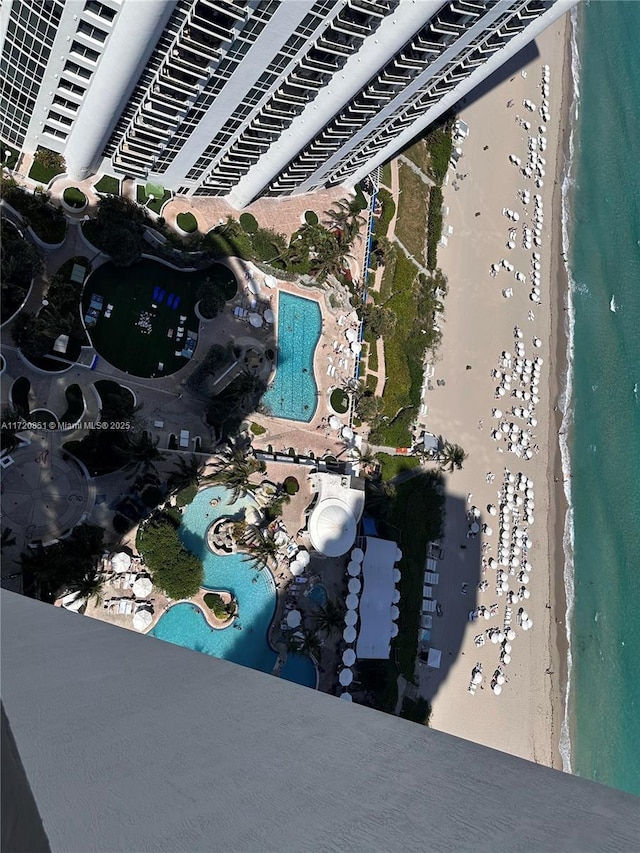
345 677
269 316
526 593
296 568
493 563
335 422
354 569
120 562
142 619
355 585
294 618
357 554
142 587
255 320
497 689
350 618
348 657
487 615
253 286
511 634
347 433
491 509
396 574
356 347
394 629
349 634
352 601
303 557
346 697
477 677
351 335
395 596
270 281
500 679
506 659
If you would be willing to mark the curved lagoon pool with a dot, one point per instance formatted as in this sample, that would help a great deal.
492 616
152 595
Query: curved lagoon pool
245 642
293 395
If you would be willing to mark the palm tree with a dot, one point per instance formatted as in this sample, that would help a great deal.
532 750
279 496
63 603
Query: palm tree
8 539
87 585
262 549
188 472
309 644
451 457
379 497
141 452
329 617
234 470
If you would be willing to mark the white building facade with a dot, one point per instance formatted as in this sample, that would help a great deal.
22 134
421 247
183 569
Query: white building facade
245 98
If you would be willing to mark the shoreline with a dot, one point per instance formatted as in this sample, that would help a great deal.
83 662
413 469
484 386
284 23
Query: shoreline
558 503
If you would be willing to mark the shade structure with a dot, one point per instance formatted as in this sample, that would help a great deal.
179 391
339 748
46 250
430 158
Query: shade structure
351 335
350 617
253 286
347 433
357 554
332 527
335 422
394 629
348 657
395 596
120 562
356 347
355 585
349 634
303 557
345 677
397 574
270 281
142 587
269 316
354 569
394 612
352 601
346 697
255 320
296 568
142 619
294 618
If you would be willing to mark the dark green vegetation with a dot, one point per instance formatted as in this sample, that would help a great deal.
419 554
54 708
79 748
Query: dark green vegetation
35 335
46 165
291 486
311 217
21 261
432 152
215 291
386 214
434 226
69 565
230 406
379 321
414 301
360 202
108 185
385 175
249 223
233 471
391 466
339 401
220 610
154 204
175 570
47 221
256 429
186 495
411 223
117 230
9 155
451 457
128 346
418 711
417 514
202 379
74 197
187 222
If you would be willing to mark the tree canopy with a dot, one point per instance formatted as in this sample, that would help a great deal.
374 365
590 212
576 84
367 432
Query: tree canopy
175 570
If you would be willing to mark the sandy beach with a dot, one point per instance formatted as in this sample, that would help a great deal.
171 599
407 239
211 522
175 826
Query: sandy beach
487 315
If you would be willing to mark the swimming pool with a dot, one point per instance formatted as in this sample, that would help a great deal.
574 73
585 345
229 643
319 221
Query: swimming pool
318 594
245 642
293 393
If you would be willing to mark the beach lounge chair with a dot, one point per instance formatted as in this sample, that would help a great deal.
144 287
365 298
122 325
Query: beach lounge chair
161 296
156 291
170 301
176 302
183 318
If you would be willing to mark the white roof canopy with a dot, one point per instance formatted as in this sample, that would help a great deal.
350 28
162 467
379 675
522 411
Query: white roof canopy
374 639
333 522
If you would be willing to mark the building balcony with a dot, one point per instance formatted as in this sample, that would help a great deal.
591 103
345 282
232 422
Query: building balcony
375 8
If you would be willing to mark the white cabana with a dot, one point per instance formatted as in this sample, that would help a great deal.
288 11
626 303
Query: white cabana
347 433
355 585
269 316
350 617
374 640
335 422
332 527
434 658
349 634
345 677
255 320
354 569
142 587
142 619
294 618
348 657
120 562
352 601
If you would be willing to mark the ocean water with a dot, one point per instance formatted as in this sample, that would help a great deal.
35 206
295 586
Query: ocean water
602 422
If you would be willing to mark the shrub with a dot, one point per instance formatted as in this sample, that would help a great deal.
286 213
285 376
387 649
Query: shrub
339 401
187 222
256 429
291 486
121 524
434 226
311 217
152 496
74 197
117 229
186 495
211 298
360 202
440 145
108 185
249 223
48 222
175 570
268 244
386 215
46 165
21 261
220 610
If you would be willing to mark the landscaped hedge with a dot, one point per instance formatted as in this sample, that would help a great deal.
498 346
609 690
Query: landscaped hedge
48 222
249 223
291 486
311 217
440 145
215 603
74 197
187 222
434 226
388 209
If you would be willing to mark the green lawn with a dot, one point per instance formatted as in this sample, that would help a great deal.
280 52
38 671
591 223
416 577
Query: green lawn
156 204
108 185
9 155
391 466
416 518
119 339
411 222
385 177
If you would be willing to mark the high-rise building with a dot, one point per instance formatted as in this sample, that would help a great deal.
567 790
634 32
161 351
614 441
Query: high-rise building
243 98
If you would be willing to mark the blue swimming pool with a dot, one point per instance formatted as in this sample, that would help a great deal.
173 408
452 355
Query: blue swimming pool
318 594
293 393
245 642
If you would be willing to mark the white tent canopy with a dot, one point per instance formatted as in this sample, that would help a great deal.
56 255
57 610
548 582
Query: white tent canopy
296 568
434 657
142 587
354 568
332 527
374 640
142 619
355 585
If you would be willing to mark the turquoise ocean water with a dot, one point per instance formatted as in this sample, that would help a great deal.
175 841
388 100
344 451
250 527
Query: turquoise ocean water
602 240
